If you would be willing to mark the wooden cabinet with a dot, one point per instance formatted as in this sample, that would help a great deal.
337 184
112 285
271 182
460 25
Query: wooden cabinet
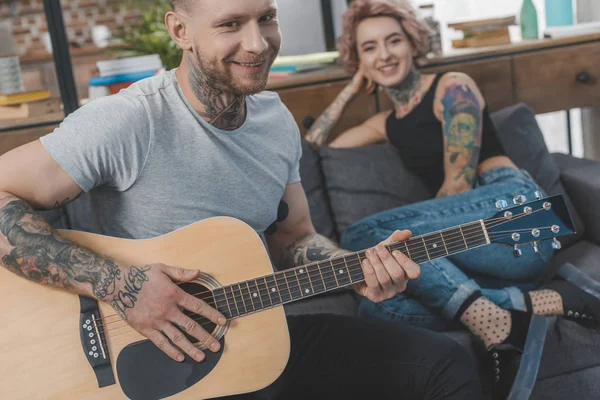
312 100
559 79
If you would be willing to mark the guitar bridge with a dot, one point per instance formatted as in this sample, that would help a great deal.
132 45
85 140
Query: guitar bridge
93 340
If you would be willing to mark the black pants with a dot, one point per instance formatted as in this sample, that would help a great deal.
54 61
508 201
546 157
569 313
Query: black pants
335 357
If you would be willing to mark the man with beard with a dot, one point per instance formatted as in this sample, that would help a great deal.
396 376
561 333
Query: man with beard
193 143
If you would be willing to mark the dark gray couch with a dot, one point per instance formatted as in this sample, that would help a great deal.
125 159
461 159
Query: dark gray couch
344 185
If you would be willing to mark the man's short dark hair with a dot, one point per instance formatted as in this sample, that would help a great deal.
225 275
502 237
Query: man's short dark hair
180 4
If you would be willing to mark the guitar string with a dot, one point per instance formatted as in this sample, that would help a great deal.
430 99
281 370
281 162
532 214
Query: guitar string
273 304
458 236
417 244
276 276
277 302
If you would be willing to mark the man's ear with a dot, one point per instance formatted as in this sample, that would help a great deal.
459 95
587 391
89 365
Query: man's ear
178 29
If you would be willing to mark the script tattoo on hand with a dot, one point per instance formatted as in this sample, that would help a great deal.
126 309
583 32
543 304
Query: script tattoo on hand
126 298
463 130
31 249
222 110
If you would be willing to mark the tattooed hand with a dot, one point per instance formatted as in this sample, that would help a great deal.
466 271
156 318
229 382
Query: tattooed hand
148 299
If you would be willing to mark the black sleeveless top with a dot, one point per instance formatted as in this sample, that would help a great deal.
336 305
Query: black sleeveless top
419 138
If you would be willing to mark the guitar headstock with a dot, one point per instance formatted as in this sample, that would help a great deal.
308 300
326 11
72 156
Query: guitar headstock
532 222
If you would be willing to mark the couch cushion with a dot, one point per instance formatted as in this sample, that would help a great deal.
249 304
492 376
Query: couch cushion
523 141
365 180
314 186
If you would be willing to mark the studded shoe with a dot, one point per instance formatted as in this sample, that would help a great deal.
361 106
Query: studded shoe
503 360
577 304
515 362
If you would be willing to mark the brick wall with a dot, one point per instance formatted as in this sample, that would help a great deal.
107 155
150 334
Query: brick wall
29 22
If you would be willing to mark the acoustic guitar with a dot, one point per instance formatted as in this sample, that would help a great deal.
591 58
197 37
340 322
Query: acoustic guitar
54 345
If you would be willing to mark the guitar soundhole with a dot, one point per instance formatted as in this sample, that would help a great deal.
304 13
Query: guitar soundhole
203 293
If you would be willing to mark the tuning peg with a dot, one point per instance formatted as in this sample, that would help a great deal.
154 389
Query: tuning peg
517 252
520 199
535 247
556 245
538 195
501 204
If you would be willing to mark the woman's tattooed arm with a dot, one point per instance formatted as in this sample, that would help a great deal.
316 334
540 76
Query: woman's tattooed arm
462 125
30 248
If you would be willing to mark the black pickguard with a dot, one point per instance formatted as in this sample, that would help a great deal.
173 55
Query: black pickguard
145 372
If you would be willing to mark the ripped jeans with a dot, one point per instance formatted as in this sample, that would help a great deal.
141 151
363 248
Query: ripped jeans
433 300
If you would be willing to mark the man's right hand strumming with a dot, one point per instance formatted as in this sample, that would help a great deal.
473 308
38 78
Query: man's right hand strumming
150 301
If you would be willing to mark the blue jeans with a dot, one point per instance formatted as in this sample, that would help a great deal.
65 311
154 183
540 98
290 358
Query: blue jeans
433 300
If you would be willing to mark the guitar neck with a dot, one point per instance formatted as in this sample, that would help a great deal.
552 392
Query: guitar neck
298 283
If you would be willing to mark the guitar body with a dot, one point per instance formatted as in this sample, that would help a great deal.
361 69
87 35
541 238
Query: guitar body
41 353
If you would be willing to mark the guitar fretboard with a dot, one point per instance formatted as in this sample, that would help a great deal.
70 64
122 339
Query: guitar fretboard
297 283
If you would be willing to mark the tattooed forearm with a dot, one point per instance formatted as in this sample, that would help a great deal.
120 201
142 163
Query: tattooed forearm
320 131
223 110
462 130
127 296
313 247
30 248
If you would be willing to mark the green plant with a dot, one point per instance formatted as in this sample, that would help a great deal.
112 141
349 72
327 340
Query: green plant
150 36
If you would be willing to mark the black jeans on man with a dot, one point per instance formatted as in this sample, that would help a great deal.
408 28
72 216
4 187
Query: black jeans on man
337 357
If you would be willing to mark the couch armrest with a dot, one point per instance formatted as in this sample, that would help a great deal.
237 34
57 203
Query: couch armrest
581 178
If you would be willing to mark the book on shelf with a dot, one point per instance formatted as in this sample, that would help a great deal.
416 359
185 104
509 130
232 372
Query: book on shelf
23 97
30 109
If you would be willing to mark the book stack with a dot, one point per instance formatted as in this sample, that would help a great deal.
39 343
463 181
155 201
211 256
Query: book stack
115 75
482 33
23 105
285 66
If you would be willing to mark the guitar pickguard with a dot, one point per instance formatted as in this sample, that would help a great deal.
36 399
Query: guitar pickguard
145 372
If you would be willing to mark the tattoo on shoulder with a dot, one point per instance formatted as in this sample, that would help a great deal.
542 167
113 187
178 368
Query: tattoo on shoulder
463 128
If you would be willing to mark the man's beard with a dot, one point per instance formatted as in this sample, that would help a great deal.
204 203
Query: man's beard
219 75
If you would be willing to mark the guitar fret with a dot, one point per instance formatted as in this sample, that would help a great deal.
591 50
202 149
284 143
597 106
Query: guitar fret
305 283
273 290
252 299
246 298
232 301
268 303
224 307
316 279
342 275
425 246
355 271
241 301
284 293
256 295
463 236
334 273
444 243
324 271
294 284
298 279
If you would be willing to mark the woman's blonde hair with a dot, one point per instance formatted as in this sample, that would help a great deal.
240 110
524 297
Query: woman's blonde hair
416 30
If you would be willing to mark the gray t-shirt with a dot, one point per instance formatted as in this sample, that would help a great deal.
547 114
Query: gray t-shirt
150 165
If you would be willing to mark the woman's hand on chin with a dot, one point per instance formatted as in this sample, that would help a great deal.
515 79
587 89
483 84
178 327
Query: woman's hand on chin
359 82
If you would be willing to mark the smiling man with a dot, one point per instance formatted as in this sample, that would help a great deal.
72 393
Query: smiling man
199 141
